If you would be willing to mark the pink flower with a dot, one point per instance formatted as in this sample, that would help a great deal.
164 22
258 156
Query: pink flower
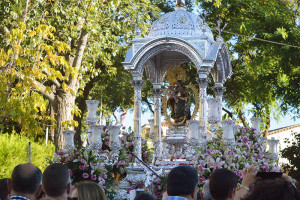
128 144
85 175
82 160
77 153
107 137
122 162
93 177
62 152
145 154
82 167
101 180
245 140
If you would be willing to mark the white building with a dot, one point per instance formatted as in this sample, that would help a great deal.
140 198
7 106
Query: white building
281 134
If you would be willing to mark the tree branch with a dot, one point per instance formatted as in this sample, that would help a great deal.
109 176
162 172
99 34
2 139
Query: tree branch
55 82
241 116
228 112
145 99
39 87
4 30
78 56
42 90
16 53
24 16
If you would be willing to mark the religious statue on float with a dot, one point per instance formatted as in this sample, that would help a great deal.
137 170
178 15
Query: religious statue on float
178 97
177 100
179 103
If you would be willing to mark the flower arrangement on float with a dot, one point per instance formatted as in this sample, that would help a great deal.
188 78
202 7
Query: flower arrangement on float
249 149
85 164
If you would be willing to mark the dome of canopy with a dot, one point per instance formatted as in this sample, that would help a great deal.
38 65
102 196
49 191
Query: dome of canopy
180 23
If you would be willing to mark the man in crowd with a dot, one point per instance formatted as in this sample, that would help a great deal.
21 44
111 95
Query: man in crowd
57 182
25 182
182 183
223 184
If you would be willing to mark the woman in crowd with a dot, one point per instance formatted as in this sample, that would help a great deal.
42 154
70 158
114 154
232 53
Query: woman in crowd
274 189
88 190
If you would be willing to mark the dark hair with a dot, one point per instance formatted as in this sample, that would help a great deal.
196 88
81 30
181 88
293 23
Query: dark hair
3 189
56 178
144 196
274 189
221 181
26 179
182 180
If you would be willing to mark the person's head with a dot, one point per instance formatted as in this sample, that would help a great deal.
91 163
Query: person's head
144 196
3 189
182 181
87 190
222 184
56 180
273 189
25 181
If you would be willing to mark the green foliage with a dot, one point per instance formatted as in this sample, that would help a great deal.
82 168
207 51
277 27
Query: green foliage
266 75
14 151
50 48
292 154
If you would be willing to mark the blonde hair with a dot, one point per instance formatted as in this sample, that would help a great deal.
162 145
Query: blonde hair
88 190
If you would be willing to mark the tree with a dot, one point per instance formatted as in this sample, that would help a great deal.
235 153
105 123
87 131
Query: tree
266 75
292 154
51 48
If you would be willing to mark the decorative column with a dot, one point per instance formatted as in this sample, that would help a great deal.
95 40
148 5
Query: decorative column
96 137
273 149
157 91
219 91
203 82
91 117
255 121
114 141
138 85
213 115
151 135
68 139
193 139
228 131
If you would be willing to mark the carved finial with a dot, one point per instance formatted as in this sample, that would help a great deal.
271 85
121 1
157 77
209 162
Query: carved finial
180 3
137 29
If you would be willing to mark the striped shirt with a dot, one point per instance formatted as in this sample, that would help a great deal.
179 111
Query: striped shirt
18 198
175 198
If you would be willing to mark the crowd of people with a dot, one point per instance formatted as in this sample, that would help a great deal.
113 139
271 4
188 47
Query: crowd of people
27 182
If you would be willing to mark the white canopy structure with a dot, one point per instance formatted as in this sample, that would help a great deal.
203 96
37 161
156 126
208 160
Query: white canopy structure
175 38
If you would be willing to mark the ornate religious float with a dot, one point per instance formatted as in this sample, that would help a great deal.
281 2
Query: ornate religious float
175 38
